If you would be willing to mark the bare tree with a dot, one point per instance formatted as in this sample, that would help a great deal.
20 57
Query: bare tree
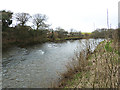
39 21
22 18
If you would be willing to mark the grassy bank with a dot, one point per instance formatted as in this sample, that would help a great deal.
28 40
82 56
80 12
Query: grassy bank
98 70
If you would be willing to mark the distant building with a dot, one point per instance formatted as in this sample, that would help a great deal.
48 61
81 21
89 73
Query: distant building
119 14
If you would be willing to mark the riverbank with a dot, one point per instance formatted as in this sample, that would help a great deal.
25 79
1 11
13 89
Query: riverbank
98 70
26 36
21 43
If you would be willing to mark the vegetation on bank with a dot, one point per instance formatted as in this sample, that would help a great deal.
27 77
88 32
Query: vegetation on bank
23 35
97 70
88 69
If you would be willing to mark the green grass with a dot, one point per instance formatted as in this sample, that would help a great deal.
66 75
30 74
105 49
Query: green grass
74 80
116 51
86 32
78 75
90 63
108 47
87 74
72 37
58 39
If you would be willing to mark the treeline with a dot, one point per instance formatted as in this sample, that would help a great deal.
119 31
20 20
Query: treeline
103 33
21 34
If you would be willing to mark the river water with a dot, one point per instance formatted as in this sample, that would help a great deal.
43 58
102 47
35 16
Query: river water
39 66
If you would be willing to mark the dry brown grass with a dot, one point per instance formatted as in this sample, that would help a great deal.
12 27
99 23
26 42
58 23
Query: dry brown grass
75 66
97 70
78 64
104 71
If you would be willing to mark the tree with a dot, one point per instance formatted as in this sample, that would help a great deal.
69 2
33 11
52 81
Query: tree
61 32
71 30
39 21
6 19
23 18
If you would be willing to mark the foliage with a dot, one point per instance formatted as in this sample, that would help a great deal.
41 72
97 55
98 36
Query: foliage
6 19
99 71
39 21
61 32
102 33
108 47
22 36
22 18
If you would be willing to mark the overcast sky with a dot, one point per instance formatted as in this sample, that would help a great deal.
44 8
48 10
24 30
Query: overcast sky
82 15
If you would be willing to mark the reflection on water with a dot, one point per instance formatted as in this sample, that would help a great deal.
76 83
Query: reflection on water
37 66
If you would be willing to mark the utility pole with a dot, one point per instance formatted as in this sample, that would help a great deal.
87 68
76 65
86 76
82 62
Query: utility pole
107 19
107 32
119 14
110 26
94 25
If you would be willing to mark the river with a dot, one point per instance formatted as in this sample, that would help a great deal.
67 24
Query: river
38 66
